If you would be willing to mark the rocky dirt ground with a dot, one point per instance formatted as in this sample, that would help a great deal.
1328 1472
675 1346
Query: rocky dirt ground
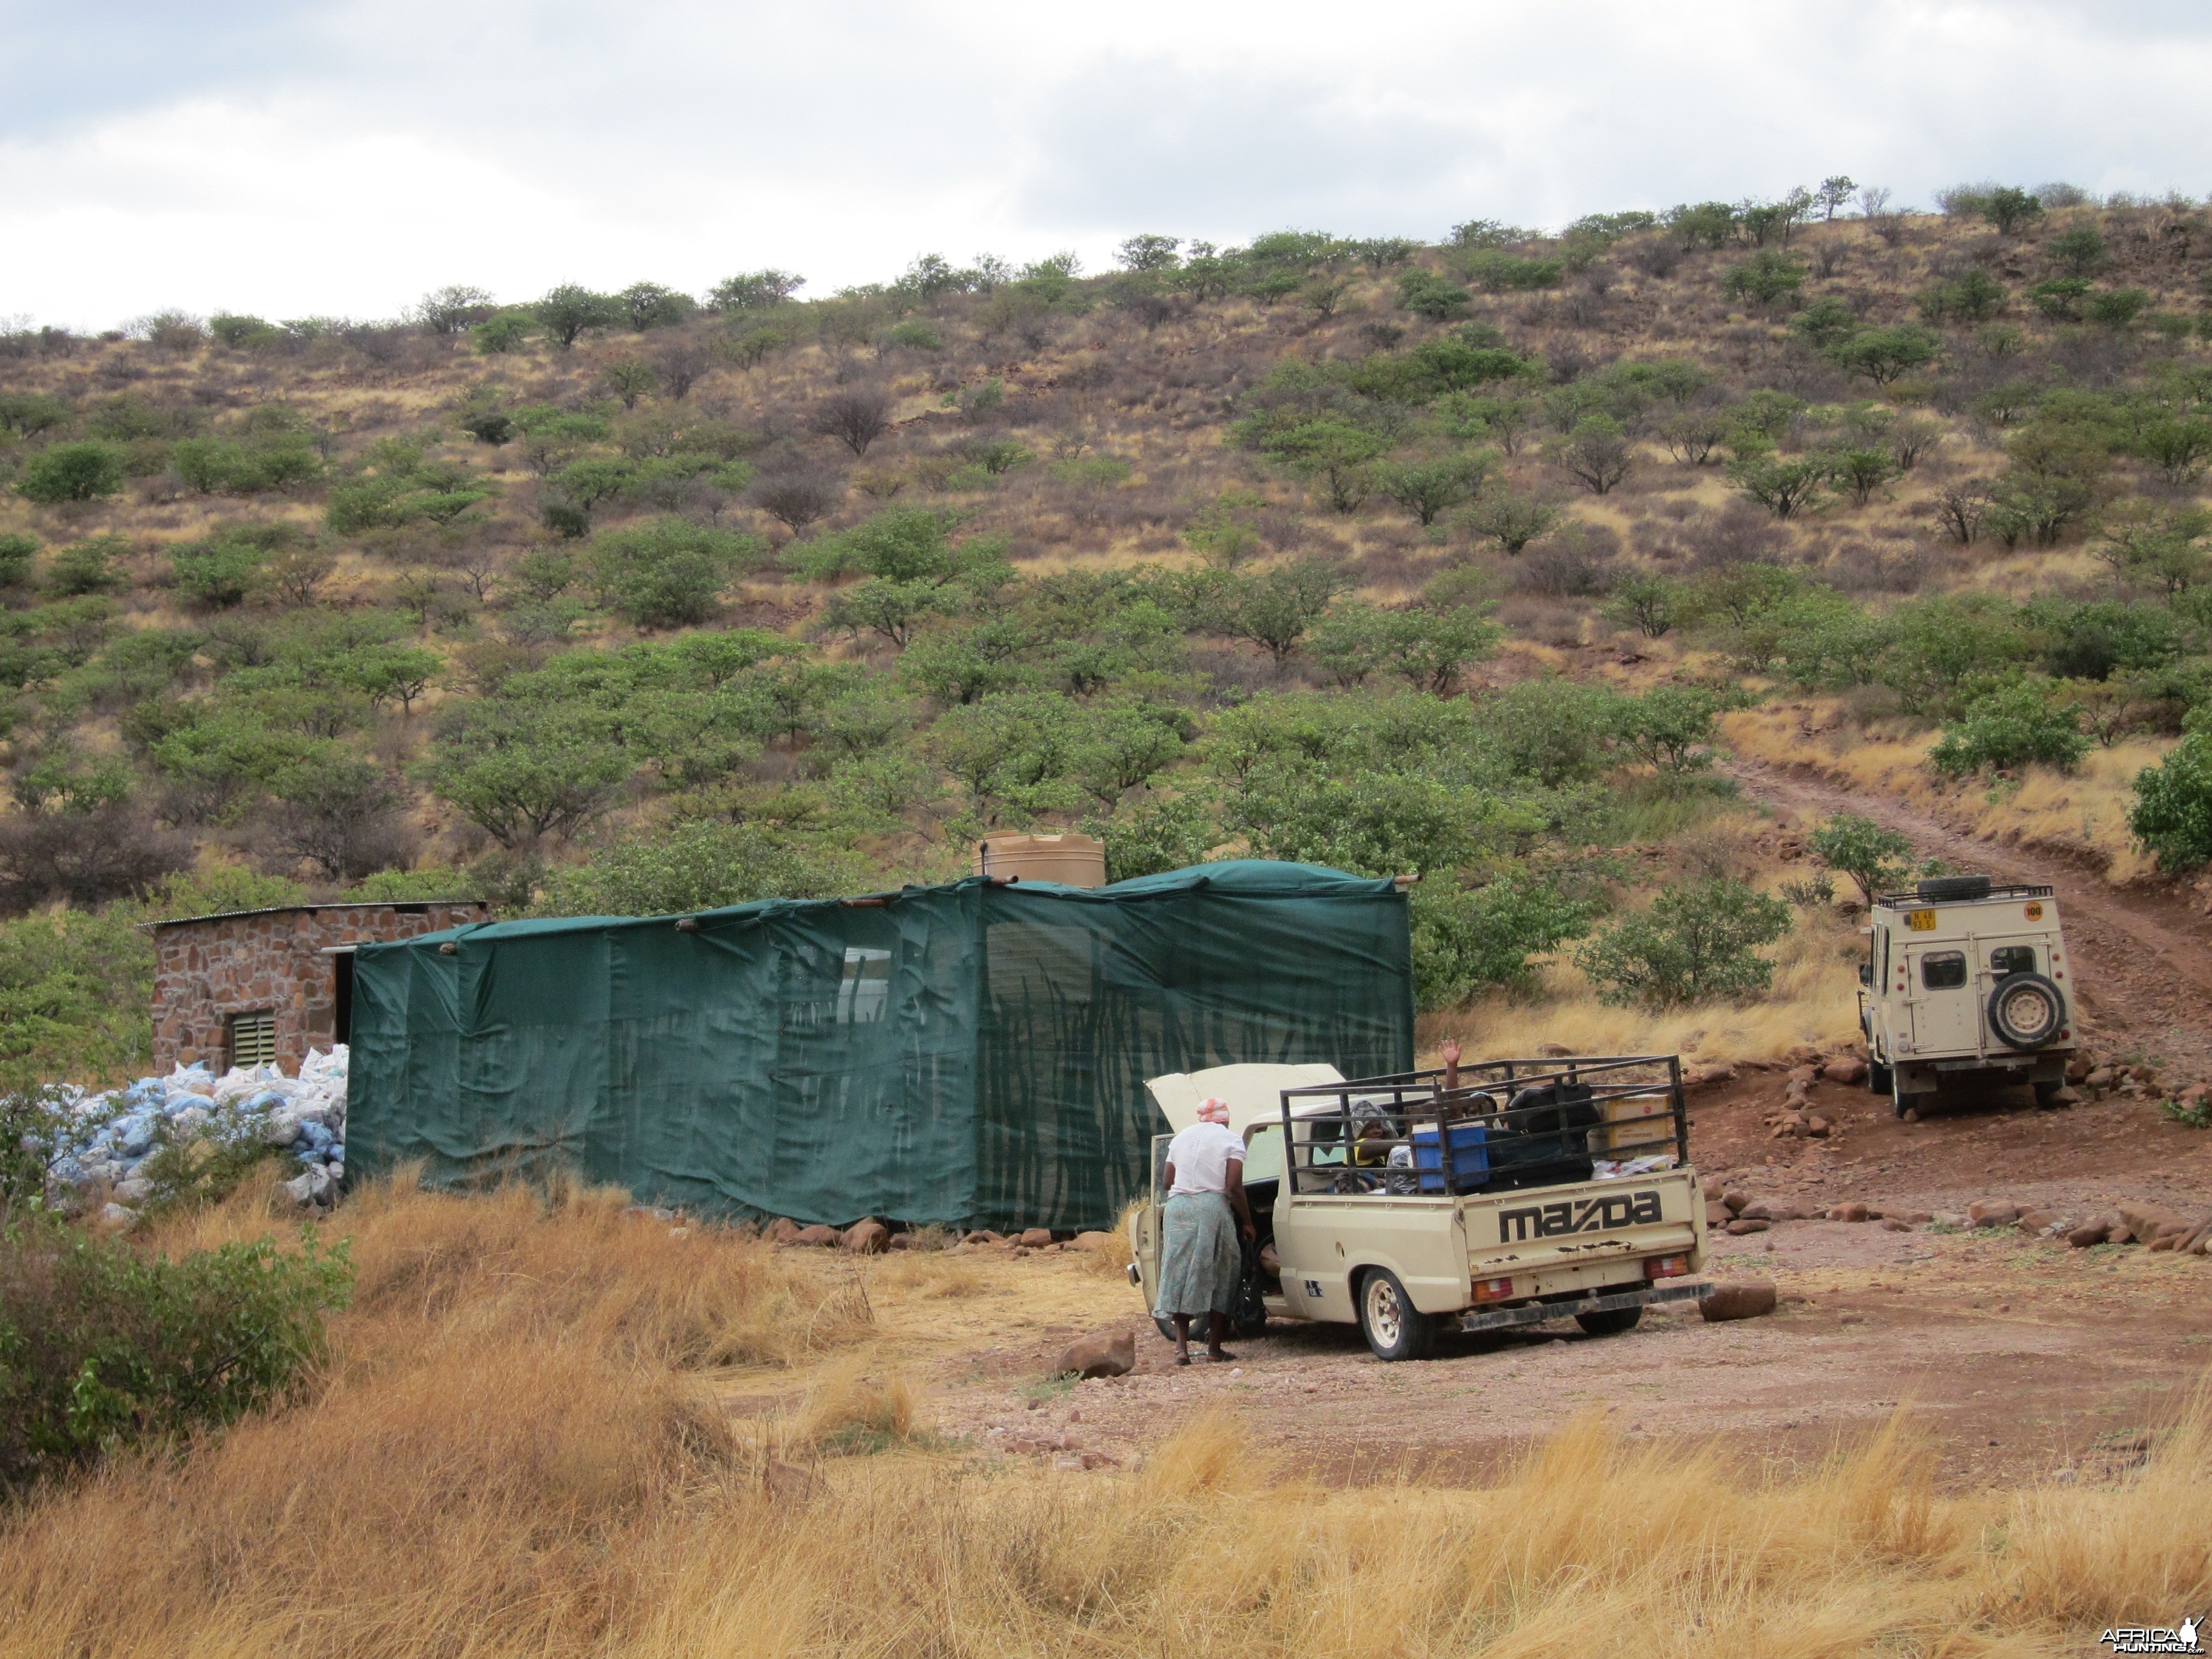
2017 1358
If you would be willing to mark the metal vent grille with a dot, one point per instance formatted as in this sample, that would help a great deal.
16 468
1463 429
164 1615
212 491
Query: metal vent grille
253 1038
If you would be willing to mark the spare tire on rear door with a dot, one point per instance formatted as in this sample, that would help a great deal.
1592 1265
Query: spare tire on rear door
1937 888
2026 1010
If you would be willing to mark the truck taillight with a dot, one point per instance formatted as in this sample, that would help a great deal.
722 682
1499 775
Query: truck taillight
1666 1267
1492 1289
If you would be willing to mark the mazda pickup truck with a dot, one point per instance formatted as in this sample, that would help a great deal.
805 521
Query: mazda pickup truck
1509 1192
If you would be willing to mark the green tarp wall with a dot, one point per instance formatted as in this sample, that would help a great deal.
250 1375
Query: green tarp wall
972 1053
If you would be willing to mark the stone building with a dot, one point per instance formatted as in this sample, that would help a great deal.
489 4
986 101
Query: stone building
259 985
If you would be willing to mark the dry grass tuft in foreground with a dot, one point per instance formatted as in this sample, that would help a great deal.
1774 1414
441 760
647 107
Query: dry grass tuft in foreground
505 1459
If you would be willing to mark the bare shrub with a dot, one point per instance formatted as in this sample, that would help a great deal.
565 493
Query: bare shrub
1577 561
1889 567
797 498
1739 533
83 859
856 418
1655 256
681 362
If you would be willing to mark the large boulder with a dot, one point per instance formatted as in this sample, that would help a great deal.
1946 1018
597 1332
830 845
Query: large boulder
869 1237
782 1230
825 1237
1102 1353
1988 1213
1094 1240
1743 1299
1849 1070
1034 1238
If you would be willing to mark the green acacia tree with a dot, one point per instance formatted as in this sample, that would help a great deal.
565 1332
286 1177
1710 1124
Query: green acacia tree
1784 486
1698 943
696 864
567 311
2173 811
1352 641
1332 451
1886 354
1670 727
72 472
1469 940
1876 859
1432 295
1428 488
1511 518
1277 608
523 770
667 572
2011 208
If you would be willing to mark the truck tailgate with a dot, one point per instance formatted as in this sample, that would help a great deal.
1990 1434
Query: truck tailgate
1570 1237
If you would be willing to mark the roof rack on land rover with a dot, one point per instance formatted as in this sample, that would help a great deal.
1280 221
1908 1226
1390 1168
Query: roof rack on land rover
1962 889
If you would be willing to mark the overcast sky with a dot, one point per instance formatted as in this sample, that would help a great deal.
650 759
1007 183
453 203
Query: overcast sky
291 157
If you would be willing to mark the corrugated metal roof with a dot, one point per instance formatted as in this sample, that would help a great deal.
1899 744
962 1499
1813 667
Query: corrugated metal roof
397 907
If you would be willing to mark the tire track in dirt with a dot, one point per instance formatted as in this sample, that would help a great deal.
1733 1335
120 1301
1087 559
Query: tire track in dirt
2151 954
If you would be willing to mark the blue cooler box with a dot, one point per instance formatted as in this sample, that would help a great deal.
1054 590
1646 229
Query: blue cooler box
1470 1157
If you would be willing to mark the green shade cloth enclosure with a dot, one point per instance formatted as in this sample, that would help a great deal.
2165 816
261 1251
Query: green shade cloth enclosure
968 1055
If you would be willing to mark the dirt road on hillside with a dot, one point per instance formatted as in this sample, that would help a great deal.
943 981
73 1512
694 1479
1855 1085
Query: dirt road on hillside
2148 990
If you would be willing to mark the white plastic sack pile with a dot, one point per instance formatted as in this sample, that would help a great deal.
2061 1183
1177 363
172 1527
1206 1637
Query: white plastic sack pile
106 1137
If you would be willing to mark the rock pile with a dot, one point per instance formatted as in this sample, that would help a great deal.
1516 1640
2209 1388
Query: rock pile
100 1150
2129 1222
1740 1214
873 1237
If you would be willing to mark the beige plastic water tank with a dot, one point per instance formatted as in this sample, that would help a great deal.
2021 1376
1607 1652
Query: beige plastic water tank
1071 857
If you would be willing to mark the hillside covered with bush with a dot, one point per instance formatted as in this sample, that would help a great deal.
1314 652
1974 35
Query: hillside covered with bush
1457 559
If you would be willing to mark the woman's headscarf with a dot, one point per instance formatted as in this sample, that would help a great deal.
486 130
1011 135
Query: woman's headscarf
1211 1110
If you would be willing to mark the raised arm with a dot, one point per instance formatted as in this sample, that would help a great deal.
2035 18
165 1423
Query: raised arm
1450 1052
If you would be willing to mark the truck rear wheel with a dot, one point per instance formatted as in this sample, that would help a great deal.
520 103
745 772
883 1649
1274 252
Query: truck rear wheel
1877 1077
1394 1326
1611 1322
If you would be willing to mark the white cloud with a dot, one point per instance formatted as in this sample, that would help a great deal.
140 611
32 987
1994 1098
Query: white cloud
344 157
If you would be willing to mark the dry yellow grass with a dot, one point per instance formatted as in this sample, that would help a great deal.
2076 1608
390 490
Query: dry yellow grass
1814 1000
504 1459
2087 809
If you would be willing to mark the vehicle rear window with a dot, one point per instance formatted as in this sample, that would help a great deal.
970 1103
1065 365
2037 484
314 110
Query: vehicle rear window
2013 959
1943 970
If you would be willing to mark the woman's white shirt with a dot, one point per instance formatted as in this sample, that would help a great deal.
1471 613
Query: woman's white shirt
1201 1155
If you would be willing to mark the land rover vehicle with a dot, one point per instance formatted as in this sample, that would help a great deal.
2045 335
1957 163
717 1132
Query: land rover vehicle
1533 1190
1965 978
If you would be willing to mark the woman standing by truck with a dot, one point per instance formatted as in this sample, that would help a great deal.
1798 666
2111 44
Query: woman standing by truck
1206 1214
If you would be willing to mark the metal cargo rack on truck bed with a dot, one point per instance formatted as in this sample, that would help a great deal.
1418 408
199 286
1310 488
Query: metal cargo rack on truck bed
1511 1193
1515 1122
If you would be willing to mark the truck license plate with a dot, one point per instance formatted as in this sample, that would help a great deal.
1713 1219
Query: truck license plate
1920 921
